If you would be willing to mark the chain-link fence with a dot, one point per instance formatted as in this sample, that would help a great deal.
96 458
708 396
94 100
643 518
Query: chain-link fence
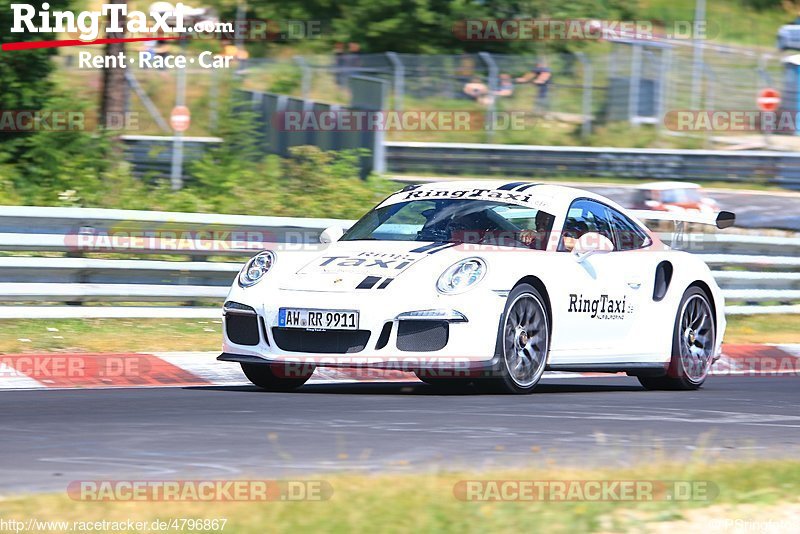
622 85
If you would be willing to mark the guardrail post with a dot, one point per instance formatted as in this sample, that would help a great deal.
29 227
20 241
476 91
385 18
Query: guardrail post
765 80
666 67
635 84
399 74
213 98
305 84
697 52
176 171
586 101
487 58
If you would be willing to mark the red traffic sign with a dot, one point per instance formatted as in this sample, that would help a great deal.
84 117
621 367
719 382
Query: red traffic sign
768 99
180 118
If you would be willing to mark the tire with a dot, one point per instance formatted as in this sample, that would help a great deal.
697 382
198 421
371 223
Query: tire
271 377
523 342
693 340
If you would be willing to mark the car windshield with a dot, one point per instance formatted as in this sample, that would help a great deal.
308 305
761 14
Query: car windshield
680 196
456 221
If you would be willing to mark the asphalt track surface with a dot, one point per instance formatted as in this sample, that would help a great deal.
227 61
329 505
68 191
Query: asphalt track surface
49 438
753 210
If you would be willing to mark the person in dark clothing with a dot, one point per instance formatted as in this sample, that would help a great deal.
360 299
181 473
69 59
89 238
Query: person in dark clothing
352 60
540 76
338 58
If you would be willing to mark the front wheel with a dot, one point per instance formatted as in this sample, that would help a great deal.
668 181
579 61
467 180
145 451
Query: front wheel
693 342
276 377
523 341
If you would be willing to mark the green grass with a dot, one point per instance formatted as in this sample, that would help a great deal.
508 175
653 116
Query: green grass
149 335
763 329
109 335
426 502
730 21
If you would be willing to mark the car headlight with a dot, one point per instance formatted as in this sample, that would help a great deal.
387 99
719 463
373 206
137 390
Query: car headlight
256 268
461 276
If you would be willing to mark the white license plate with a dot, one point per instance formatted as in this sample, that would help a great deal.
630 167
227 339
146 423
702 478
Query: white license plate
318 319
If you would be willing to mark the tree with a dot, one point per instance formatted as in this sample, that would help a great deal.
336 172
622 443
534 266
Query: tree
24 74
427 26
114 88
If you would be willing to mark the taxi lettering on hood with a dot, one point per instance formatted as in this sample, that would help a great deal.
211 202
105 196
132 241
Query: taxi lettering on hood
378 263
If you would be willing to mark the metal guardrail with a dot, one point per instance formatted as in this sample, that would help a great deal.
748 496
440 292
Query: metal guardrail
777 168
769 283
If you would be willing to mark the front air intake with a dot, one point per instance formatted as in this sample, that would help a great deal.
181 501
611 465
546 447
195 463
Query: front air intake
422 336
242 329
320 342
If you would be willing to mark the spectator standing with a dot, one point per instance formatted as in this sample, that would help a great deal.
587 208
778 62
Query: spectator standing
352 60
540 76
339 62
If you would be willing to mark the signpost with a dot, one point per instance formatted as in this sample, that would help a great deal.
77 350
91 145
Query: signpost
768 99
180 118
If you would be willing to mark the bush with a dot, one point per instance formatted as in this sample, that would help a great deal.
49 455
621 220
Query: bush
86 169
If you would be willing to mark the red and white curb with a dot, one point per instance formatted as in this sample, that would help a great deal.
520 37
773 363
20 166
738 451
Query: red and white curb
180 369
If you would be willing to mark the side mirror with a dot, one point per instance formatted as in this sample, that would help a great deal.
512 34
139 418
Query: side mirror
331 235
725 219
590 244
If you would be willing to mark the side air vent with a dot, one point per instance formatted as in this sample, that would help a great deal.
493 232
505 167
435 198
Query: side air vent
383 339
663 279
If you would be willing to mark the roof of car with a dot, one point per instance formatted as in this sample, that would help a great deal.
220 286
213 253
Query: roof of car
548 197
515 186
661 186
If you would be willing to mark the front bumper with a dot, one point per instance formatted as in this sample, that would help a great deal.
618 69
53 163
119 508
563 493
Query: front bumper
471 320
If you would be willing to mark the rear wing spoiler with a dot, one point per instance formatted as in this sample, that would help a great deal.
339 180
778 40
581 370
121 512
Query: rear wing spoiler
723 219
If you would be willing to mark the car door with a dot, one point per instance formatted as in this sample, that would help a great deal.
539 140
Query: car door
638 268
595 304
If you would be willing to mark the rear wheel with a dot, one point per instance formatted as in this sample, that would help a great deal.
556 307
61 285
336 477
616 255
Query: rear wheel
523 342
693 343
276 377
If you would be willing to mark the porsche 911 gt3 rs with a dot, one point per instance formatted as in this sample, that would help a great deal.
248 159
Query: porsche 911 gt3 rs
487 282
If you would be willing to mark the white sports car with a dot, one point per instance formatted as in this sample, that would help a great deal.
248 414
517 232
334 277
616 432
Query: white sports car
485 282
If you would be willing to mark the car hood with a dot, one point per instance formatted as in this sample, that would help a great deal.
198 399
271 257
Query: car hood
350 265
